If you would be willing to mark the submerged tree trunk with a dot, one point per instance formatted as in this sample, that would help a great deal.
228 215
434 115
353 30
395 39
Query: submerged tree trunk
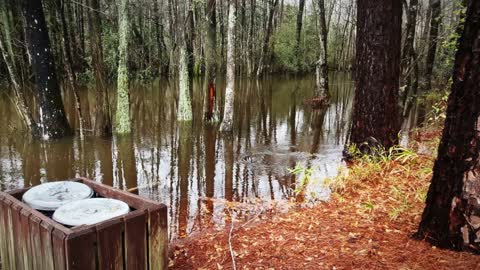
163 66
451 218
122 115
184 112
322 65
211 59
377 72
227 122
301 8
436 10
68 65
19 97
52 119
103 119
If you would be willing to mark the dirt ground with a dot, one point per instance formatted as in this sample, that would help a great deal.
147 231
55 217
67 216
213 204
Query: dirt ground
368 225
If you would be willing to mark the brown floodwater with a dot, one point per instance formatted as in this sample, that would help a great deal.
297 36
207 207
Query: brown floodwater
191 167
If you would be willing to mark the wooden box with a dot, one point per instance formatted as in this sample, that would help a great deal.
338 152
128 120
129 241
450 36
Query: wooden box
31 240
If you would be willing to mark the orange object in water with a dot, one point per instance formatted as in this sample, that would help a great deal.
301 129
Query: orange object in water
211 99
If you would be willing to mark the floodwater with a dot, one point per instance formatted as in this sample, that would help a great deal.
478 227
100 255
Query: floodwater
191 167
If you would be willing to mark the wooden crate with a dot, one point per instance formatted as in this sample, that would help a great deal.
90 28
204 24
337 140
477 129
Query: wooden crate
31 240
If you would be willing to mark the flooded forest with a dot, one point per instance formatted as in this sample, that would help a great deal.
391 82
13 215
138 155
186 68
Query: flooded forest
338 131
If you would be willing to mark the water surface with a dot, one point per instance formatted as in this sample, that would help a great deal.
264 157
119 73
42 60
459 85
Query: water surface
191 167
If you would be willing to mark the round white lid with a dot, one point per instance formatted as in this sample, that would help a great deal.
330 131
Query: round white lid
90 211
50 196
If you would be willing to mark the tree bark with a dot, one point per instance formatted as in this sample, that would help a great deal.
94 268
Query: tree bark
122 115
163 65
211 58
103 120
450 218
322 65
184 112
301 8
268 34
436 10
409 65
377 72
68 65
52 119
227 123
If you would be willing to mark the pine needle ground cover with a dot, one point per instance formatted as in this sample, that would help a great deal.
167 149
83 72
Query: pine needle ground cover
367 224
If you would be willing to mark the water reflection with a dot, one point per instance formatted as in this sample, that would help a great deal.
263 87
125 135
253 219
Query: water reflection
191 167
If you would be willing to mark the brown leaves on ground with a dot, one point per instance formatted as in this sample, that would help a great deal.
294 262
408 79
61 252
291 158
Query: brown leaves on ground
367 225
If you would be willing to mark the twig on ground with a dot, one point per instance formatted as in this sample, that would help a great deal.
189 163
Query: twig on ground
232 254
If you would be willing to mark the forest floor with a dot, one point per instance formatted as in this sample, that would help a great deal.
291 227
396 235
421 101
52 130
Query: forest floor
367 224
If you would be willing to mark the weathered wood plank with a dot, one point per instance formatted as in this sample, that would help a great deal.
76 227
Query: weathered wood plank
132 200
80 250
158 238
17 234
37 259
110 245
136 241
25 238
10 234
58 242
5 245
47 245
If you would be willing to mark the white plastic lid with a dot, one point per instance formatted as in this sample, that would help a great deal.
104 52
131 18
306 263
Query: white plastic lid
50 196
90 211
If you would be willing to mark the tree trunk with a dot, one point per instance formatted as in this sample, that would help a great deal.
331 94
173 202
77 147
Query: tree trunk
211 58
436 10
409 65
377 72
52 119
250 59
184 112
103 120
450 218
68 65
301 8
322 65
163 66
227 123
268 34
122 115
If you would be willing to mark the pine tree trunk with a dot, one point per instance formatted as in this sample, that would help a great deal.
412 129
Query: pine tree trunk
122 115
52 119
227 122
377 72
451 218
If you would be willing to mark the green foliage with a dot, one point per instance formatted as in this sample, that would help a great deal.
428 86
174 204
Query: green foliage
306 174
436 103
379 154
449 42
285 43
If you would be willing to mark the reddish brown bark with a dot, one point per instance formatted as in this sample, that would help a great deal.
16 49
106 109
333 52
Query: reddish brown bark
377 71
451 217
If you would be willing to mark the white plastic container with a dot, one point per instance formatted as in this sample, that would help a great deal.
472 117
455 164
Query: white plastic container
90 211
50 196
